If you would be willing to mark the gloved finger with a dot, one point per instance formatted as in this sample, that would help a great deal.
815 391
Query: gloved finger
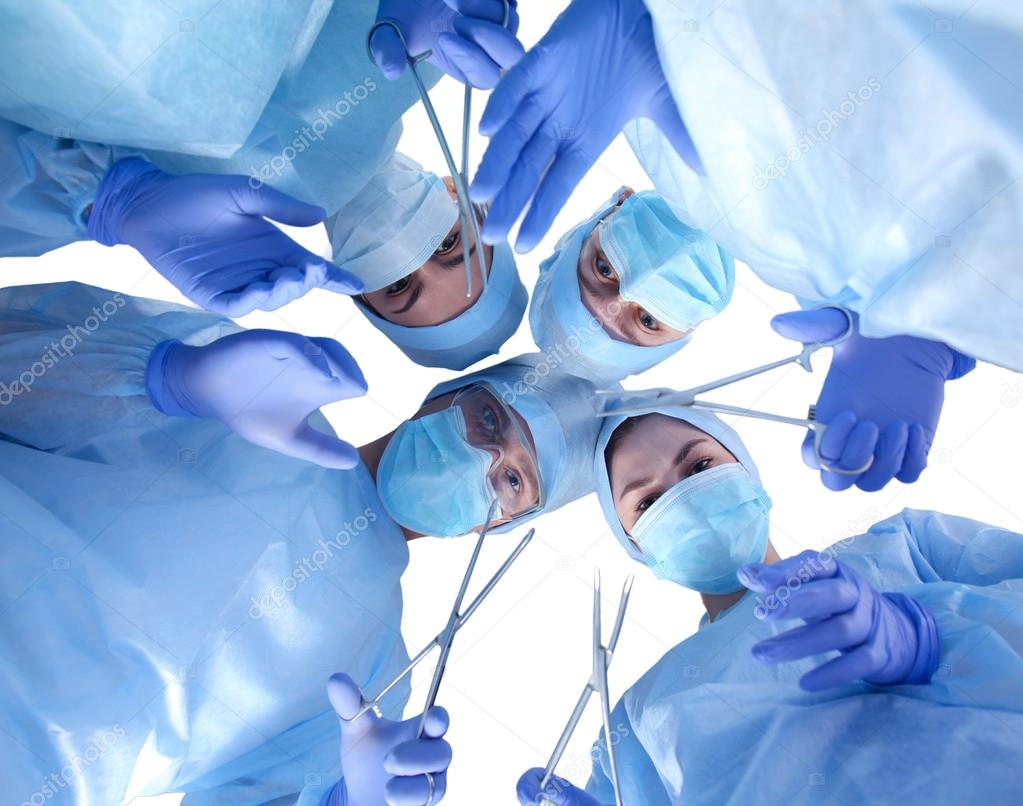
809 452
503 154
858 450
271 203
437 721
527 790
286 285
811 327
815 600
838 632
346 698
321 449
804 567
415 790
418 756
569 166
518 83
499 44
491 10
322 273
918 446
253 296
888 457
476 67
525 175
342 367
846 668
388 52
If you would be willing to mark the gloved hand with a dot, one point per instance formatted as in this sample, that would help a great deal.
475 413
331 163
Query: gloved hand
884 638
881 398
559 791
263 384
207 235
382 761
475 53
555 112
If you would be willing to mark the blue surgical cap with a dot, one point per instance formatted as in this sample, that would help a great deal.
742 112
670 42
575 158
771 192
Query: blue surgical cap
710 424
560 412
472 335
649 247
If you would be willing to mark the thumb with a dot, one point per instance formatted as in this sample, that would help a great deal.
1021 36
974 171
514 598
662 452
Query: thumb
346 698
811 327
388 52
267 201
319 448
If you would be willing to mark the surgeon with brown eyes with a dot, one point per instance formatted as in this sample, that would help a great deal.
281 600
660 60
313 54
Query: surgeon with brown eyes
626 288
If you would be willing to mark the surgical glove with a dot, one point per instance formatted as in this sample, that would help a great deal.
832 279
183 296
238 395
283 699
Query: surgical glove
263 384
475 52
881 398
884 638
555 112
382 761
558 791
207 235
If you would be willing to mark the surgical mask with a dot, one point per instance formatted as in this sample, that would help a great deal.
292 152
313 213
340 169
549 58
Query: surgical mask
431 480
674 272
705 528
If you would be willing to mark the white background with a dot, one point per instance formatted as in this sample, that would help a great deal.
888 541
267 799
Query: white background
518 667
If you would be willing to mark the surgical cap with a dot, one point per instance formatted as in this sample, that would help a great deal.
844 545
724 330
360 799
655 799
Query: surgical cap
562 420
571 336
710 424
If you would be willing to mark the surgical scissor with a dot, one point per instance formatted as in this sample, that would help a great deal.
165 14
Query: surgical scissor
644 402
597 682
466 216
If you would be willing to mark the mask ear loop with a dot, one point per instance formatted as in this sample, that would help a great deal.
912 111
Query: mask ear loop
466 215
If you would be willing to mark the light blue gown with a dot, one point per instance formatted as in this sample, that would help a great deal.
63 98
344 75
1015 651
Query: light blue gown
284 93
861 153
173 598
709 725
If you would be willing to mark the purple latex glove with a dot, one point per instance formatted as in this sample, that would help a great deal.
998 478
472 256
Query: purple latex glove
884 638
559 791
466 37
881 398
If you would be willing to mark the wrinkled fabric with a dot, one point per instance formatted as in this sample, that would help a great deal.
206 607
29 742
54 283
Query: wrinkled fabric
839 171
710 725
173 599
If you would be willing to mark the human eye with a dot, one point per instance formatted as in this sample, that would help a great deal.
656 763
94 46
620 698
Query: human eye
647 322
491 422
698 467
398 287
449 243
513 480
647 502
604 269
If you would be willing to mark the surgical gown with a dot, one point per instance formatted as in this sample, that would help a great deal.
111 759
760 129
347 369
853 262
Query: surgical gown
710 725
285 95
866 153
173 598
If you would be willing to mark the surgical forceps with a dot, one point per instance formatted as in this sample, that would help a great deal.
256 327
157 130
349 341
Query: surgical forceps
466 216
645 402
597 683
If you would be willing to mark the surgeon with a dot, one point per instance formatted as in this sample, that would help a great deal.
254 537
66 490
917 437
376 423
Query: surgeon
181 131
885 667
626 288
801 142
174 597
401 236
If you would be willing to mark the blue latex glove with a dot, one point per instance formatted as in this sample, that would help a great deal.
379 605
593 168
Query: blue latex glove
207 235
556 111
263 384
881 398
382 761
559 791
466 37
884 638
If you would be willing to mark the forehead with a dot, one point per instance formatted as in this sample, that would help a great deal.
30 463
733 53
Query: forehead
646 441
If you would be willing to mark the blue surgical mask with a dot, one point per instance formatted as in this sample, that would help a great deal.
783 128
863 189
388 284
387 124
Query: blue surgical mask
431 480
705 528
676 273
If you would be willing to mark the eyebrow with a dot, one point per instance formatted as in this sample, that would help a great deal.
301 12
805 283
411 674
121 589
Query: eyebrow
682 456
417 292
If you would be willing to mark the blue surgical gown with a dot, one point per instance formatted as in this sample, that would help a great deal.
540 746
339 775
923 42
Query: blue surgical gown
860 153
284 93
173 598
709 725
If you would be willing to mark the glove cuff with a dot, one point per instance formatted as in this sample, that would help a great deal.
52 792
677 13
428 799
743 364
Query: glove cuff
962 364
928 640
160 386
337 795
114 195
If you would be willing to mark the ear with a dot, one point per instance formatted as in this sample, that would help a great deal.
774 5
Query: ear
449 183
626 192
